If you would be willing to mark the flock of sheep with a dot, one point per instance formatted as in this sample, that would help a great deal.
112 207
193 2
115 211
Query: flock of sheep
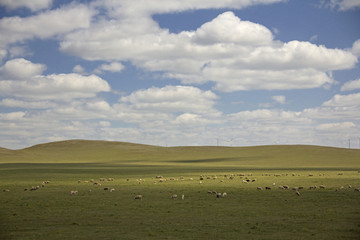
245 179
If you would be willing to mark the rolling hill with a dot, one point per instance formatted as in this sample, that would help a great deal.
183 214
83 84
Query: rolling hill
277 156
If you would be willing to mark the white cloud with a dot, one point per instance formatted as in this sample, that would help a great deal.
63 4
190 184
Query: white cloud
15 103
352 85
242 32
33 5
279 99
343 100
78 69
62 87
248 60
172 99
20 68
22 79
356 48
111 67
336 126
343 5
45 24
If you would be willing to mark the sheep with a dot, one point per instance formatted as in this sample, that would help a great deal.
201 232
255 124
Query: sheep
73 192
138 197
297 193
106 189
268 188
357 189
218 195
182 197
224 194
33 189
6 190
259 188
113 189
322 186
286 187
281 187
174 196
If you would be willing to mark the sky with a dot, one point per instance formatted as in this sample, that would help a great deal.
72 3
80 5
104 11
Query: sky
180 72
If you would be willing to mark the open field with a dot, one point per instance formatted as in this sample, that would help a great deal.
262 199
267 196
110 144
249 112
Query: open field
52 212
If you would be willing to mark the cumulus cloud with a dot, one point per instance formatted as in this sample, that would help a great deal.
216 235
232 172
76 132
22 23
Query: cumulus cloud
16 103
22 78
111 67
249 59
172 99
336 126
279 99
46 24
78 69
55 86
33 5
20 68
344 100
242 32
351 85
342 5
356 48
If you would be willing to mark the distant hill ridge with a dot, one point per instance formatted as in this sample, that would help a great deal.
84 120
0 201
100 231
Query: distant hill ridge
94 151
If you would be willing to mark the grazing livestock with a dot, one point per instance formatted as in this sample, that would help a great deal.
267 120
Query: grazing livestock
357 189
218 195
259 188
174 196
113 189
224 194
73 192
322 186
182 197
138 197
268 188
297 193
6 190
106 189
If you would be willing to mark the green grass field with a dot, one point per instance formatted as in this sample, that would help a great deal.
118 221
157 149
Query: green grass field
51 212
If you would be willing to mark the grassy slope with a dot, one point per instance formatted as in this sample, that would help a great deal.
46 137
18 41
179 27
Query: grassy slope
279 156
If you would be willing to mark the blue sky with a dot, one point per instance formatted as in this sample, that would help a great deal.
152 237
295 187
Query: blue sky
170 73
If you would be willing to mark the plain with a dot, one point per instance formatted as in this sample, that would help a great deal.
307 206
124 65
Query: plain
249 210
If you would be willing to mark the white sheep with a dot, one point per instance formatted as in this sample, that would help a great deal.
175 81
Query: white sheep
224 194
73 192
218 195
259 188
113 189
174 196
182 197
297 193
139 197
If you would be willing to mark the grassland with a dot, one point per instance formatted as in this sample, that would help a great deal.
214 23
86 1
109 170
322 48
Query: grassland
52 213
